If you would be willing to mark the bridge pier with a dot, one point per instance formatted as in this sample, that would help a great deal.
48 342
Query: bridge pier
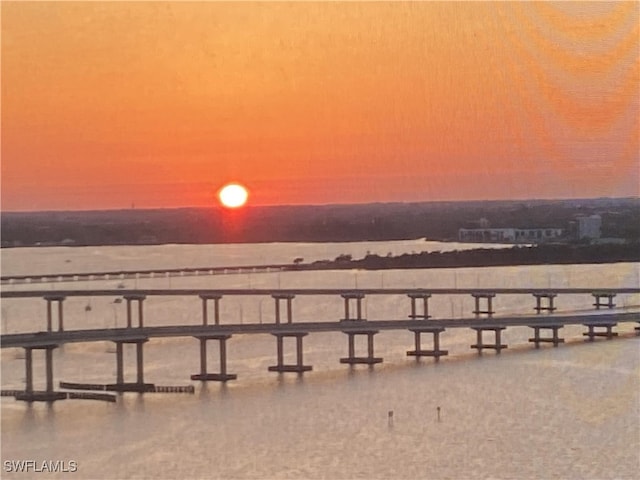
347 299
599 295
539 308
222 376
139 385
31 395
28 357
139 299
497 346
608 333
50 299
216 309
554 339
489 298
435 352
369 359
289 298
299 366
425 305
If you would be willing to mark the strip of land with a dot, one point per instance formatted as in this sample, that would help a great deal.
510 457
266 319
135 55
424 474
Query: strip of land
484 257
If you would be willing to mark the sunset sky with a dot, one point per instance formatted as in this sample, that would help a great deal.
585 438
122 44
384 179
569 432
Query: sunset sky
158 104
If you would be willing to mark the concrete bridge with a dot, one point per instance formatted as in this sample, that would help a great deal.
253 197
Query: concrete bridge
133 274
598 323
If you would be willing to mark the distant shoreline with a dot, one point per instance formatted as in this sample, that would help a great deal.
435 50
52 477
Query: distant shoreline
557 254
620 219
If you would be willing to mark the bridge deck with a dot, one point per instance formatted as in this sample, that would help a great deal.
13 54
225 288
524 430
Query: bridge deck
38 339
314 291
129 274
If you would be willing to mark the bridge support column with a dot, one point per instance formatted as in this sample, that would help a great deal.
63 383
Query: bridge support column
289 298
299 366
497 346
599 295
608 333
216 308
28 357
31 395
358 299
425 305
139 363
139 385
119 363
49 366
489 298
554 339
539 308
50 300
204 375
369 359
435 352
139 299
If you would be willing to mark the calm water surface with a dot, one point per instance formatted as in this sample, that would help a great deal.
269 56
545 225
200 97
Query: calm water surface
571 412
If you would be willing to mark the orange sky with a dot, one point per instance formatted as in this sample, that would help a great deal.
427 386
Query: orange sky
105 104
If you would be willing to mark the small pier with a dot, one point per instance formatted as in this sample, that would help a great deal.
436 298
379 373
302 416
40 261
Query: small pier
103 397
88 390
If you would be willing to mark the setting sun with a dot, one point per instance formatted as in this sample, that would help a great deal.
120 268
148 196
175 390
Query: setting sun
233 195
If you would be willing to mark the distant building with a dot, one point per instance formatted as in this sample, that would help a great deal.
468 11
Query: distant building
483 223
589 227
509 235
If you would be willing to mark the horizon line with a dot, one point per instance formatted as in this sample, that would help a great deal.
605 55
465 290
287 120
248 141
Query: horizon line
302 205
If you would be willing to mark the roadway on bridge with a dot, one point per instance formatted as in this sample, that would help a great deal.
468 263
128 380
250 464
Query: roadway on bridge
38 339
313 291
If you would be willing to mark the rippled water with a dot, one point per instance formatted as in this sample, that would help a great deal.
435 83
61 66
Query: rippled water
567 412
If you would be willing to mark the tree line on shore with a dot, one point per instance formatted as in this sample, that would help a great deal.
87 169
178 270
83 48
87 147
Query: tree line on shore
311 223
485 257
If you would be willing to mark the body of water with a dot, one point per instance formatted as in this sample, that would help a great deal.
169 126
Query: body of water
571 412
